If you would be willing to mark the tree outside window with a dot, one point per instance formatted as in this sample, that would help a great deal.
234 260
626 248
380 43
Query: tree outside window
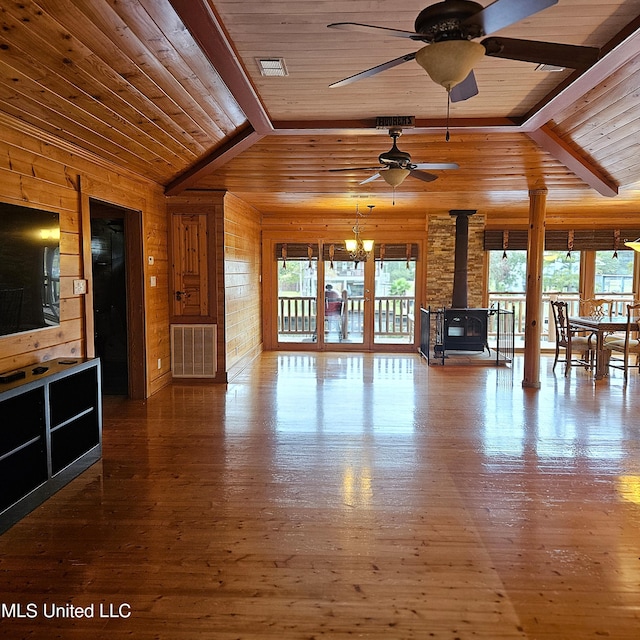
561 272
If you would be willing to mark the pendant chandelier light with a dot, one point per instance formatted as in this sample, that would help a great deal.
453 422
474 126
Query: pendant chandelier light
635 244
358 248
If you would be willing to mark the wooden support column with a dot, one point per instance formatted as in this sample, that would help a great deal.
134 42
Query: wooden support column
587 276
533 301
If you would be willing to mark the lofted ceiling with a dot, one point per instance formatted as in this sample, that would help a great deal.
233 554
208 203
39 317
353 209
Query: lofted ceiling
171 90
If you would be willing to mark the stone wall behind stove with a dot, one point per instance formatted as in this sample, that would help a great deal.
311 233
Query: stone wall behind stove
440 260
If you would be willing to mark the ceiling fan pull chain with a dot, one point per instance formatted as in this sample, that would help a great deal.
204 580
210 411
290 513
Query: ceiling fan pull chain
448 109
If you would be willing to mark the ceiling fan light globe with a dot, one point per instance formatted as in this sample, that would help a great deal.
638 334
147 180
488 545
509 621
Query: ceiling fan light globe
395 177
449 62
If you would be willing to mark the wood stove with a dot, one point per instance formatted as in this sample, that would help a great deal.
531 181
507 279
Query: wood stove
465 329
462 328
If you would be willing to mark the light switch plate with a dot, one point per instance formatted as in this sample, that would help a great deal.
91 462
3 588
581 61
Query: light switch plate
79 287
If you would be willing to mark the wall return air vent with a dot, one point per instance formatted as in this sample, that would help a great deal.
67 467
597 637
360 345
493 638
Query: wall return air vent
193 350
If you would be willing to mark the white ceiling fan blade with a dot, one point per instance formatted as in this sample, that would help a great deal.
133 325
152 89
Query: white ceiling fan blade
502 13
375 176
465 89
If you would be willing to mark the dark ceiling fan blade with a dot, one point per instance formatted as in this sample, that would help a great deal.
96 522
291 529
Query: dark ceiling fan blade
435 165
375 176
358 169
423 175
465 89
502 13
374 70
357 26
560 55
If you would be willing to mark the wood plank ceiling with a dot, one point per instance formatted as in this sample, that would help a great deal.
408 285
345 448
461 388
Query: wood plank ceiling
171 90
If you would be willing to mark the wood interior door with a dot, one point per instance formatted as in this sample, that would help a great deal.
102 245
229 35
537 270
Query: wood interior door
190 270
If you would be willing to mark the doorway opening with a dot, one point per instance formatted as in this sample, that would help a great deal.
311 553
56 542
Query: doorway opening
116 257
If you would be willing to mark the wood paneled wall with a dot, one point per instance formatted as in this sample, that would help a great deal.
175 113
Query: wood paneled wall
242 283
36 172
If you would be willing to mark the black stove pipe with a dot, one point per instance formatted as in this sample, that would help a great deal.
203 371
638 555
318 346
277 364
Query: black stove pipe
460 295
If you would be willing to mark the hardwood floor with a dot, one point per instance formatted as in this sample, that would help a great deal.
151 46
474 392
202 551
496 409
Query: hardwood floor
345 496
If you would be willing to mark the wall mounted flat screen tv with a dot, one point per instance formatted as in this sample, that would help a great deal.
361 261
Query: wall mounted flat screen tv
29 269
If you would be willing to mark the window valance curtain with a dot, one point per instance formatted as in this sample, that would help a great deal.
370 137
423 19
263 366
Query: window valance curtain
578 240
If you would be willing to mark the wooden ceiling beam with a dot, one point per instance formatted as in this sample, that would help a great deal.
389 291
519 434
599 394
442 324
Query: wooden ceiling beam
550 142
217 158
207 31
368 126
623 48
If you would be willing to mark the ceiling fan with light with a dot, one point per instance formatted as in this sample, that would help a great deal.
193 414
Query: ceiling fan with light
449 28
395 165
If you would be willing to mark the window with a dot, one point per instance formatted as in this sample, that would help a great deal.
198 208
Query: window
507 274
614 275
297 291
561 272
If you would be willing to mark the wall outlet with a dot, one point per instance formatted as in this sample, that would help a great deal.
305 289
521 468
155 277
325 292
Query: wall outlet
79 287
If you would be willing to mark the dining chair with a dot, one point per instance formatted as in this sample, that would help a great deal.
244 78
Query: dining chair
596 308
600 309
569 340
627 347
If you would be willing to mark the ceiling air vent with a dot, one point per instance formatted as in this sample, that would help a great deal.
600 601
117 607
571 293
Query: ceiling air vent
549 68
272 67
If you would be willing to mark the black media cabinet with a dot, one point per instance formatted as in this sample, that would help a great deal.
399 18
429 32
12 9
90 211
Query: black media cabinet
50 432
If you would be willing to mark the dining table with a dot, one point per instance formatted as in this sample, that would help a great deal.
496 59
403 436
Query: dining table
600 327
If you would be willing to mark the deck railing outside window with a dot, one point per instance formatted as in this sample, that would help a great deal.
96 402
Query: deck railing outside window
393 315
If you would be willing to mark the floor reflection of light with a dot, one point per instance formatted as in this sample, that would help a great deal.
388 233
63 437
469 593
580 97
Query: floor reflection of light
629 488
339 394
357 490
